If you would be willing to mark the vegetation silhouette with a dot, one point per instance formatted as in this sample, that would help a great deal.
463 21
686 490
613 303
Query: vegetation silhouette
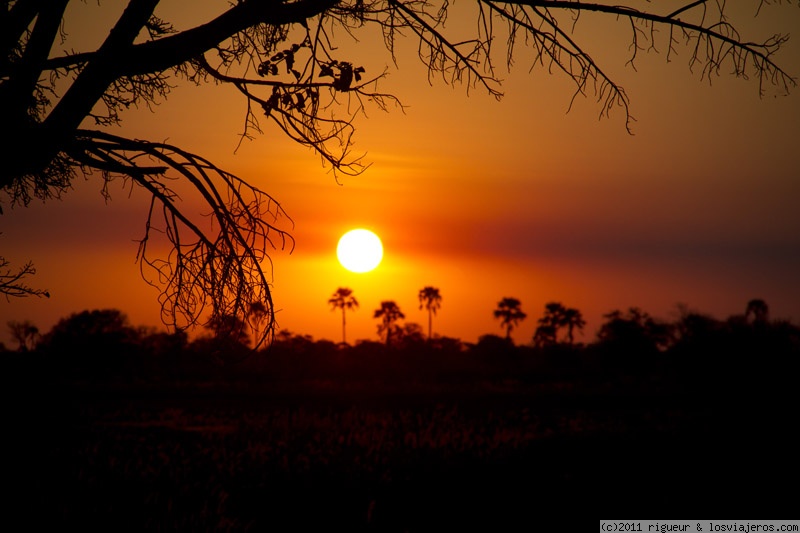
431 300
556 317
343 299
60 109
94 344
104 341
25 334
758 310
228 342
389 313
150 430
510 314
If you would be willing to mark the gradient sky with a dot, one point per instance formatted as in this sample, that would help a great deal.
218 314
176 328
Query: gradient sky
480 198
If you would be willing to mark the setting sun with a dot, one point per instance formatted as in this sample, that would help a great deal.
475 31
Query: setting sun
359 250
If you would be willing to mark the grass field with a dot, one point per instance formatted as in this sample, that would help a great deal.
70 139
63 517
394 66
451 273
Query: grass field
371 457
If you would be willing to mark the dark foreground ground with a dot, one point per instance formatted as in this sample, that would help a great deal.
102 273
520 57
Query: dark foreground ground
376 457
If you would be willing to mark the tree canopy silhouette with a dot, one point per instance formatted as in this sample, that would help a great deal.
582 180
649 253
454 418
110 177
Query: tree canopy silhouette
510 313
758 310
58 108
431 300
556 317
389 313
25 333
343 299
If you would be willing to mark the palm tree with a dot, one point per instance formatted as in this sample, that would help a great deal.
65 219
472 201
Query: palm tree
389 313
343 299
572 319
430 299
509 312
556 317
759 309
552 320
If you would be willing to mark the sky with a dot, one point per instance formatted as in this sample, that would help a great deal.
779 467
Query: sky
523 197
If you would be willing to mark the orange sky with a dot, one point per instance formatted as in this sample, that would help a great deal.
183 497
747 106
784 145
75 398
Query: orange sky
481 199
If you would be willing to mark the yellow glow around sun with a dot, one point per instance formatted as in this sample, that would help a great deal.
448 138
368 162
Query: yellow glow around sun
359 250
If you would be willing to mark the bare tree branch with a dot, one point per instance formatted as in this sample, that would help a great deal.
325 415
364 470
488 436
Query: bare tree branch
213 261
12 284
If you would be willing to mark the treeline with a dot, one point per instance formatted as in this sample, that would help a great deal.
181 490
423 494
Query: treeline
695 351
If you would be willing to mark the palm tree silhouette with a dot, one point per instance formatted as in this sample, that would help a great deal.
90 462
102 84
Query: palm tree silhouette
343 299
759 309
509 312
430 299
547 331
556 317
572 319
389 313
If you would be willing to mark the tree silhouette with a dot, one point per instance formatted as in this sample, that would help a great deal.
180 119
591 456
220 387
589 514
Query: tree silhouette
107 327
94 342
25 333
509 312
556 317
58 108
430 299
389 313
343 299
411 336
696 332
634 333
758 309
545 335
228 328
572 320
229 343
547 331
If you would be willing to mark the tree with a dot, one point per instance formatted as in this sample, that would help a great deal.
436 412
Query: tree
430 299
509 312
343 299
572 320
229 343
634 333
411 337
94 342
228 329
545 335
697 332
759 310
283 58
25 333
547 330
556 317
389 313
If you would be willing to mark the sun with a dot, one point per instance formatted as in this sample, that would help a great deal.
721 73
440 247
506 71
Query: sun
359 250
